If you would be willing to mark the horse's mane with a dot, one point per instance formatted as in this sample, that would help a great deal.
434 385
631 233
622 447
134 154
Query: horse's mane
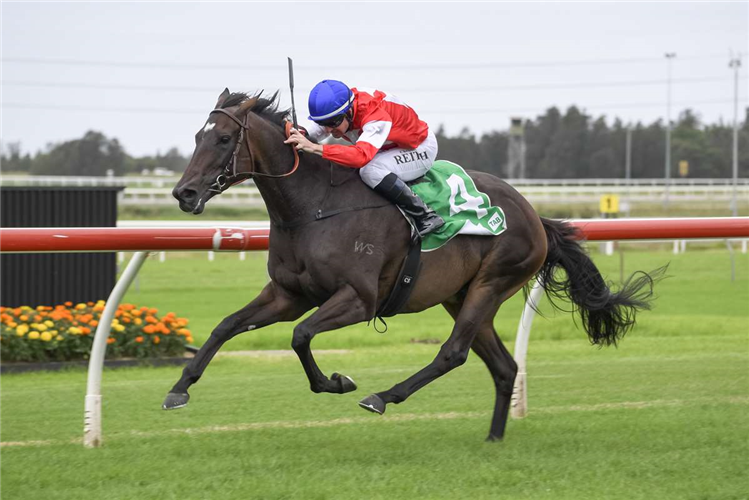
266 107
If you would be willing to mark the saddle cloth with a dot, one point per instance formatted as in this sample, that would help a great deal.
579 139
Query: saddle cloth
449 190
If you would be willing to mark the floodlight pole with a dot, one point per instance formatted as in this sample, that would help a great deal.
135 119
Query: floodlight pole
669 57
735 64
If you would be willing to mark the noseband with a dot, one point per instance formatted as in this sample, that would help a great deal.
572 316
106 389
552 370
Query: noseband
229 176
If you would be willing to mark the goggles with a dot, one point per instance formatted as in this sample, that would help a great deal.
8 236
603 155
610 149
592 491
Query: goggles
332 122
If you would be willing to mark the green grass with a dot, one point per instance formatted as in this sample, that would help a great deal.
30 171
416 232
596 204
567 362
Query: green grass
172 212
663 416
697 298
553 210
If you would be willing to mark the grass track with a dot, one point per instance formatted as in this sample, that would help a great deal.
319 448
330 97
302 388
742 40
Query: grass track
666 415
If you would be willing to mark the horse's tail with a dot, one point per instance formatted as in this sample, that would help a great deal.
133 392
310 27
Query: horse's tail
606 315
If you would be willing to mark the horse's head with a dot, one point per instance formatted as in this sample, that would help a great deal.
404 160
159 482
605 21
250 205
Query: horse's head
214 164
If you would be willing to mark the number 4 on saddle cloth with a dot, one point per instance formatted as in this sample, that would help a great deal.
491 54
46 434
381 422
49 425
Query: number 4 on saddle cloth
448 190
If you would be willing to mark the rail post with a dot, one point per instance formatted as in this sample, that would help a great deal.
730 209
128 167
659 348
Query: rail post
519 405
92 411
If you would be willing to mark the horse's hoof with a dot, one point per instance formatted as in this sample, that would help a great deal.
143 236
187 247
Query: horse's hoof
345 382
493 439
373 403
175 400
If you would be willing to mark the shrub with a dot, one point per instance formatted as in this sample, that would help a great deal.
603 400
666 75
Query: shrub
66 332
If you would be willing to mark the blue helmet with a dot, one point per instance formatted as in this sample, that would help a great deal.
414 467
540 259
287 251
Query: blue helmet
329 98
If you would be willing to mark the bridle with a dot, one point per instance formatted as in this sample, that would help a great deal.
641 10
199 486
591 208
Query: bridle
229 175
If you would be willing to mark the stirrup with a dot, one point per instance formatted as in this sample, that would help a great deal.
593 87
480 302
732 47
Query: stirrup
429 224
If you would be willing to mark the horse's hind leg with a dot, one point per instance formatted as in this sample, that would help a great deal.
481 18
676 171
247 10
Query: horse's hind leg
503 369
271 306
501 365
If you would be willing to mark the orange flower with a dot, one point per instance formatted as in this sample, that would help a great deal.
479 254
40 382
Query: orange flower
94 323
126 320
184 331
110 340
69 304
89 303
156 339
85 330
23 317
136 312
149 329
37 318
139 339
151 319
153 310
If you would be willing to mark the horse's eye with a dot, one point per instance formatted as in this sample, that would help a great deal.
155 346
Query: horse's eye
225 139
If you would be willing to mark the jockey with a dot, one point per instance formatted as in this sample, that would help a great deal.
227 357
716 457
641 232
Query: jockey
388 143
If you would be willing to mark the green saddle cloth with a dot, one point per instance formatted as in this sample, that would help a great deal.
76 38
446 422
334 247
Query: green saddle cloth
449 190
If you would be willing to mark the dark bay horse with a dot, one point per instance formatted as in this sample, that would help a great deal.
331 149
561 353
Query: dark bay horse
337 245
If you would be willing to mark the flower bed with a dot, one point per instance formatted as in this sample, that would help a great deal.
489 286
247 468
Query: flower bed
66 332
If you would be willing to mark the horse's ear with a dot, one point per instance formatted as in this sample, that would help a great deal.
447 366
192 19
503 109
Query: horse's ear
246 106
224 95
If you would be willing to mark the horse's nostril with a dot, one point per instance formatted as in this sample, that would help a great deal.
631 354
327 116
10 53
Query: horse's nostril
184 194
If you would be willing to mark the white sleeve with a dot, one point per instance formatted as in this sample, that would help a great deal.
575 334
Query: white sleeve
375 133
314 131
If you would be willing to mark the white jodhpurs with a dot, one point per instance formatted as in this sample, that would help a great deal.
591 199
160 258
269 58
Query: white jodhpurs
407 164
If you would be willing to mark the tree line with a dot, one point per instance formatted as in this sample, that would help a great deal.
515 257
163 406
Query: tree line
92 155
572 144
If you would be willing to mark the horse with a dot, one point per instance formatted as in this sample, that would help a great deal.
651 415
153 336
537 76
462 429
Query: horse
322 216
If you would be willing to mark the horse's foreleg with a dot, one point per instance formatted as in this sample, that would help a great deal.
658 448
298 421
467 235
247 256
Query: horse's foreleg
271 306
344 308
479 304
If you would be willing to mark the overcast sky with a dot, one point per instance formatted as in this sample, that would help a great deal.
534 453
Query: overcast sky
149 73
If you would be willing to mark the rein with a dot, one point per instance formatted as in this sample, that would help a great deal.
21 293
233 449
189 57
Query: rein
229 176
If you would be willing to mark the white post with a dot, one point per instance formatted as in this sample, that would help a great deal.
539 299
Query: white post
519 406
162 256
92 411
676 247
743 246
242 255
609 248
211 256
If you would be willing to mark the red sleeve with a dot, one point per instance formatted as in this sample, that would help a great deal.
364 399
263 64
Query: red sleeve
354 156
375 128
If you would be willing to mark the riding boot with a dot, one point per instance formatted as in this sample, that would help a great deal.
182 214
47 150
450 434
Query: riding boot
396 191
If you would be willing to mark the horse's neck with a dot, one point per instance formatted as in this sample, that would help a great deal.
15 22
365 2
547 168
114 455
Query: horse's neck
302 193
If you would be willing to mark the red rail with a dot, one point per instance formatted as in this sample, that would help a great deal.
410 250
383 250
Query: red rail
111 239
664 229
